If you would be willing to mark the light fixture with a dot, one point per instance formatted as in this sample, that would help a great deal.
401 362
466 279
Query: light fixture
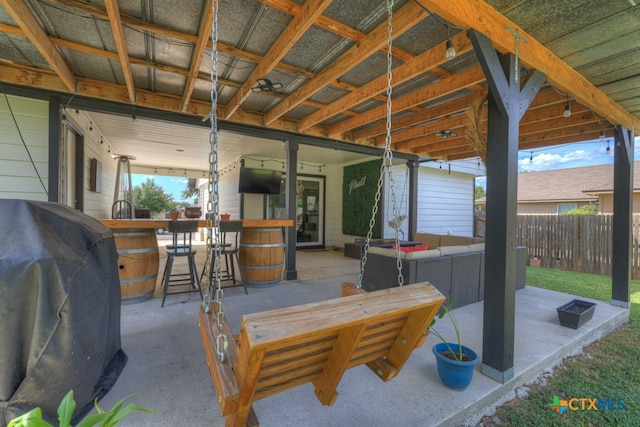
451 51
445 133
567 109
608 148
265 85
602 135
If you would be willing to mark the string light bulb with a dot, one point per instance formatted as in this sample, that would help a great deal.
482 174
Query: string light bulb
608 148
531 158
567 109
451 51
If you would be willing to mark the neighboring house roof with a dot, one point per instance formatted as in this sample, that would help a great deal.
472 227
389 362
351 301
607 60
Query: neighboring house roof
571 184
561 184
607 186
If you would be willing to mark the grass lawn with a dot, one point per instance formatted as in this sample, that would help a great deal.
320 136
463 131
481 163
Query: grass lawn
608 369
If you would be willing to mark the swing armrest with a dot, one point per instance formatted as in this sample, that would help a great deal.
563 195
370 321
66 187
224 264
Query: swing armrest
225 382
349 288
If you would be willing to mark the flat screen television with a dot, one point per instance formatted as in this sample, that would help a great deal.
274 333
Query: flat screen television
259 181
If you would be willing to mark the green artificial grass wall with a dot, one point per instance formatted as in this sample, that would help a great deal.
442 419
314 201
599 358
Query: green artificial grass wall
360 183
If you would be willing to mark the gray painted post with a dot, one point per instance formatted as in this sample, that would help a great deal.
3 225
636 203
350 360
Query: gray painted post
622 217
507 103
290 272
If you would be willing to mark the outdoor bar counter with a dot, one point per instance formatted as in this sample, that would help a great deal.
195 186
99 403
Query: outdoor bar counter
261 243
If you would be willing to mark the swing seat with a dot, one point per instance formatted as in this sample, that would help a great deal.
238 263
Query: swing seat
316 342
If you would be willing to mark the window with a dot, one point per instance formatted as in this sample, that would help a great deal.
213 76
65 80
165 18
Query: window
564 207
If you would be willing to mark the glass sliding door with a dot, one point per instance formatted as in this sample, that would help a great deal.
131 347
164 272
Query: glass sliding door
309 210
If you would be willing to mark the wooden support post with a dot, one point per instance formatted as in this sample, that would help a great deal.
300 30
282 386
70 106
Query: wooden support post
622 217
507 104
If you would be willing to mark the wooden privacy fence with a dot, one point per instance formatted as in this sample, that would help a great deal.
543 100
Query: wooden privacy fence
576 243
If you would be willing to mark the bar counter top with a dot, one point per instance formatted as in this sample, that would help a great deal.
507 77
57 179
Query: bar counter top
115 224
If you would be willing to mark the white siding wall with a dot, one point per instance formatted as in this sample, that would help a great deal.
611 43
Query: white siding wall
97 205
445 202
18 176
228 192
333 208
401 190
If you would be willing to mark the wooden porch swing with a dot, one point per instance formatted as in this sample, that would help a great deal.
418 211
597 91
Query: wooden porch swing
310 343
316 343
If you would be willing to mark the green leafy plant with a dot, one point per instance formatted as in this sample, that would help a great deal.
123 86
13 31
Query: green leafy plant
66 409
447 310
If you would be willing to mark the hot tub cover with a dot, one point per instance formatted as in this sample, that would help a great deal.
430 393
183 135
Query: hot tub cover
59 309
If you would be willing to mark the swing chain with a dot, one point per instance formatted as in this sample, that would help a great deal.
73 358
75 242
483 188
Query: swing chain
221 346
387 163
212 264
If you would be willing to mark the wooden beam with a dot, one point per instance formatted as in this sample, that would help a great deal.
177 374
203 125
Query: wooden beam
333 26
4 28
461 80
177 35
95 10
48 80
479 15
415 67
29 24
121 46
403 20
425 115
204 36
406 138
298 26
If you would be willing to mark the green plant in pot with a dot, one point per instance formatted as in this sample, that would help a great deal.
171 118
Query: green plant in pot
455 361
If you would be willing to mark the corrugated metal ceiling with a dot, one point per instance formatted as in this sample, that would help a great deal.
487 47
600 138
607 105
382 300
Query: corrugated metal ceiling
328 61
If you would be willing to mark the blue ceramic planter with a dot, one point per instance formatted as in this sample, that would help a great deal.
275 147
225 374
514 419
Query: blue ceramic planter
454 374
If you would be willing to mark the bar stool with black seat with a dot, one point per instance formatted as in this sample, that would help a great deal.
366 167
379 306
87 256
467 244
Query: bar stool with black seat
229 249
181 247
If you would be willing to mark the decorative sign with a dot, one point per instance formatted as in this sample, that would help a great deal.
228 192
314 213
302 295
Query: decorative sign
360 183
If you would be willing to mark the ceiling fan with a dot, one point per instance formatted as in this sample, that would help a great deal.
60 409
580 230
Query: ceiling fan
265 85
446 133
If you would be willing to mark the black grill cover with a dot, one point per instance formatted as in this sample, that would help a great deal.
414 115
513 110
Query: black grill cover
59 309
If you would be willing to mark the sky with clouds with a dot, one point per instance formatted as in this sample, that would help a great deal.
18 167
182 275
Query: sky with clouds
579 154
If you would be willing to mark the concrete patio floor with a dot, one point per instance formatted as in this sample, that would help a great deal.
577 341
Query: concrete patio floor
168 371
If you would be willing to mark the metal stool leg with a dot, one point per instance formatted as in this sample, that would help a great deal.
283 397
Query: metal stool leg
166 277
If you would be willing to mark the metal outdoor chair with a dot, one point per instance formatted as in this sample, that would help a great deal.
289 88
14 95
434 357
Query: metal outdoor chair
181 247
